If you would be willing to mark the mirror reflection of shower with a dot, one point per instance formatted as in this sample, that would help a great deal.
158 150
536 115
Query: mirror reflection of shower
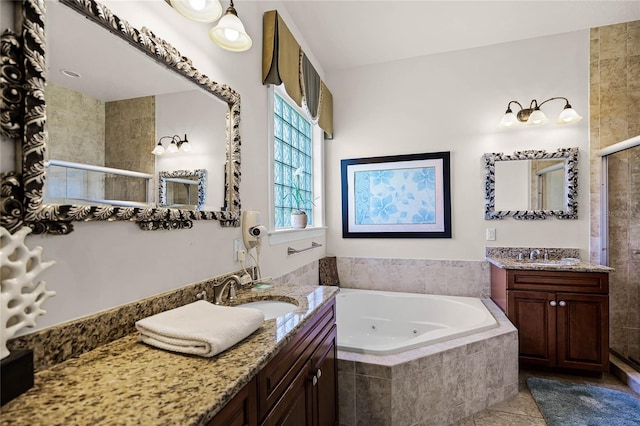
621 245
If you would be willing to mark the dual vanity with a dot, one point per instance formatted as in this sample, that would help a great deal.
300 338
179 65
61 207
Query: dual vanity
283 373
559 305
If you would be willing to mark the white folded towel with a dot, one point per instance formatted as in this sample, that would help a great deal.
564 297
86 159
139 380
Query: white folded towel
199 328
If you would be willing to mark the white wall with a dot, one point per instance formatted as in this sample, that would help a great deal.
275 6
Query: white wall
101 265
453 102
442 102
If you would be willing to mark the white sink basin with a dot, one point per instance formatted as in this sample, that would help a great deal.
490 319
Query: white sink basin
271 308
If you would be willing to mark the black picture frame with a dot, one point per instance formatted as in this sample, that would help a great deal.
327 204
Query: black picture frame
418 183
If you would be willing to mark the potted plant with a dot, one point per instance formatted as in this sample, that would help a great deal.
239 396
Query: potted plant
299 217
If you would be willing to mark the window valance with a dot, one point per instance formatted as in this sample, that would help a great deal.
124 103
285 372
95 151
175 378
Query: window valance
283 61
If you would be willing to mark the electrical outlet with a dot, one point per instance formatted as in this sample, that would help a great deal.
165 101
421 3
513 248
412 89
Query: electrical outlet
236 249
491 234
240 255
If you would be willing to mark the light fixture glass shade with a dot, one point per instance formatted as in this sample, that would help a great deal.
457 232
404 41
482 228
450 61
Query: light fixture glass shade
158 150
568 116
198 10
230 34
185 147
172 148
509 120
537 118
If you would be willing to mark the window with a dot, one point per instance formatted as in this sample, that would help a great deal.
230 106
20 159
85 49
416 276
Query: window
293 162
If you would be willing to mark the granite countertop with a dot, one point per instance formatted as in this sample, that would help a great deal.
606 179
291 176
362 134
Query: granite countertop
127 382
535 265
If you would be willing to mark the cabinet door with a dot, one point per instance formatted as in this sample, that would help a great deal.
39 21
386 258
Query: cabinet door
295 406
583 331
533 314
241 410
325 385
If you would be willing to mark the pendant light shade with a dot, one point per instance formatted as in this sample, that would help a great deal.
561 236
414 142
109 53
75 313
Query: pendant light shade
509 119
158 150
198 10
230 33
568 116
537 118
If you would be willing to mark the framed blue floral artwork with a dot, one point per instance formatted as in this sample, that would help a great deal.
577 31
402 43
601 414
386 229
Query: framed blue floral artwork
400 196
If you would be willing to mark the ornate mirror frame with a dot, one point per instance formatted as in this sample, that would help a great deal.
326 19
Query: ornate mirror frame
24 115
571 181
201 174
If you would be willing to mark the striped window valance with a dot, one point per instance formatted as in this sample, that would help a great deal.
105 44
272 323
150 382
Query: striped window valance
283 61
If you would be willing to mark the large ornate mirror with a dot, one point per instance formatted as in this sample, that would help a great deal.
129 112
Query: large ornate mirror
532 184
111 93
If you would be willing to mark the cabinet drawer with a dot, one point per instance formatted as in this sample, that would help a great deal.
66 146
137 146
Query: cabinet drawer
579 282
281 371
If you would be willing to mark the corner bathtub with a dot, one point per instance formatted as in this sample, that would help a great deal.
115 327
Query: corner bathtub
384 323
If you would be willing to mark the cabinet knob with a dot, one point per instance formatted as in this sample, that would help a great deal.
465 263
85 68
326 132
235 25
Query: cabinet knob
553 303
562 303
318 373
314 380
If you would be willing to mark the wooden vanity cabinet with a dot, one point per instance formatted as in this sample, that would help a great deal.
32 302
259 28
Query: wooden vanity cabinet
562 317
303 375
298 386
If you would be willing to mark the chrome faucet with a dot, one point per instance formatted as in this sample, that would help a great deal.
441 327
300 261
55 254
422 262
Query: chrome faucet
534 253
231 282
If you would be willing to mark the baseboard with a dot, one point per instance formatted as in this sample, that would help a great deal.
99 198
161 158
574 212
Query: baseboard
625 372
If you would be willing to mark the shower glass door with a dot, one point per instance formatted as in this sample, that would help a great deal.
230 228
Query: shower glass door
623 249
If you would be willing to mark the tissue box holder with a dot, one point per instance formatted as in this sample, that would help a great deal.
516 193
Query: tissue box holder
16 374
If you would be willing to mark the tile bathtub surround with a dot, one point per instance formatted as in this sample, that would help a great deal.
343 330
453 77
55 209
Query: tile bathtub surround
438 384
423 276
61 342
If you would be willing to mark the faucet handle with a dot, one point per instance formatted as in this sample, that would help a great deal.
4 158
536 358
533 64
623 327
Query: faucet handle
520 256
232 291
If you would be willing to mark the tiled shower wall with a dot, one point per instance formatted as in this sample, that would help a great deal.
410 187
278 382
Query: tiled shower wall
132 121
614 117
444 277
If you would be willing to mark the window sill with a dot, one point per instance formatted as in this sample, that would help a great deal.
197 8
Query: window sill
282 236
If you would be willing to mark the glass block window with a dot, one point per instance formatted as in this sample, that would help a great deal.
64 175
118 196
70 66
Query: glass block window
293 163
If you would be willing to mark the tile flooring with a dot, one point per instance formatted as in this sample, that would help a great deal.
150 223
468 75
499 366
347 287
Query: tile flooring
521 410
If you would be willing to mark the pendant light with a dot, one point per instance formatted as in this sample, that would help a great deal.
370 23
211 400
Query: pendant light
198 10
230 33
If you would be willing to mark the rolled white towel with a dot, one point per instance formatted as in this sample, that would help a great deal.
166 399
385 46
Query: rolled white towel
199 328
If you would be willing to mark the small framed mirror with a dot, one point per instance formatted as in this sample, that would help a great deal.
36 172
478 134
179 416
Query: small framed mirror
531 184
183 189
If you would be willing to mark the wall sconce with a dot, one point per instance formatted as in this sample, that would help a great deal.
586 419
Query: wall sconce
176 145
228 34
533 116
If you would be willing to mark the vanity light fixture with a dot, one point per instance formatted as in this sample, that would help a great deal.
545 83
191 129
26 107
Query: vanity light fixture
176 145
533 116
230 33
198 10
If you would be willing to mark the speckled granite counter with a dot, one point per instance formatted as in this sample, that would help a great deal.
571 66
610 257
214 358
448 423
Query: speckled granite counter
127 382
535 265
